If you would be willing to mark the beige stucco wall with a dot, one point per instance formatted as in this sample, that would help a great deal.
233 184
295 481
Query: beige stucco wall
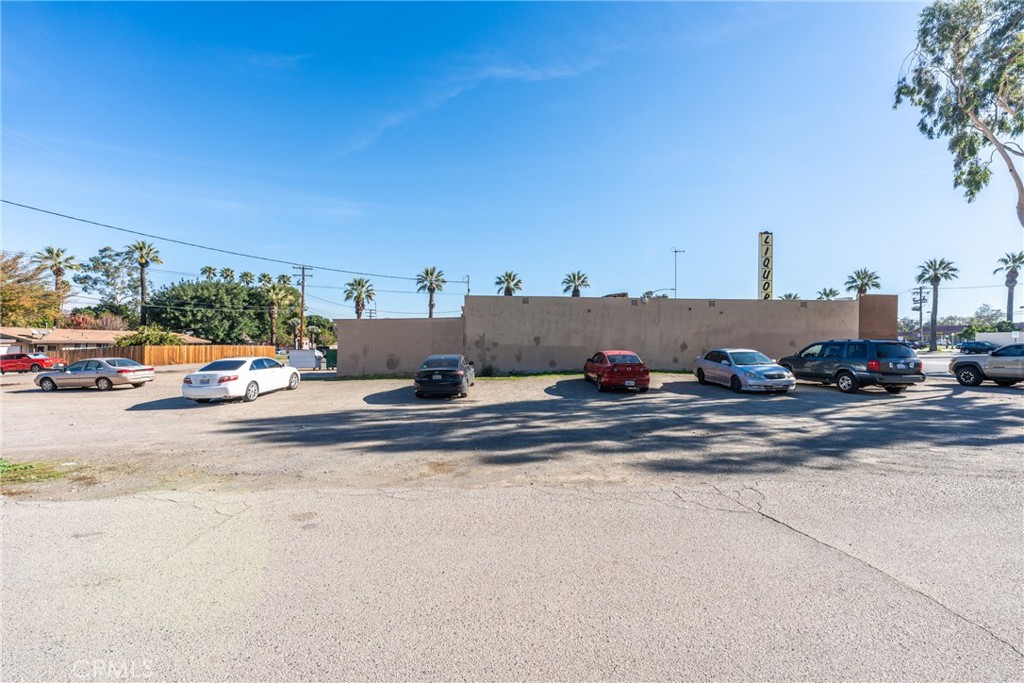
395 347
532 334
558 333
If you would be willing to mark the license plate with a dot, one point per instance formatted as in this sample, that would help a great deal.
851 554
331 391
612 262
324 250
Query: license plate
900 366
204 381
630 383
437 376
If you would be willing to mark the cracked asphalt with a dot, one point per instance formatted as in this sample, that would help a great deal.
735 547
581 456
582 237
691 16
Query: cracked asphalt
535 531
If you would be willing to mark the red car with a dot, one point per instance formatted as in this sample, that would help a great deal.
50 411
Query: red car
617 368
29 362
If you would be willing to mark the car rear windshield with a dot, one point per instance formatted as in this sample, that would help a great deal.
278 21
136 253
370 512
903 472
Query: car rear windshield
751 358
440 362
123 363
221 365
894 351
624 359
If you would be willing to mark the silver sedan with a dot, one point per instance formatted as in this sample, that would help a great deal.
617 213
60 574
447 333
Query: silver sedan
102 373
743 370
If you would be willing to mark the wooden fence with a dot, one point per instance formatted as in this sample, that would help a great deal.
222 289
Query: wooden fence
167 355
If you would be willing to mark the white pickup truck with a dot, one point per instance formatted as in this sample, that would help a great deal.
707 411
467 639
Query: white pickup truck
1004 366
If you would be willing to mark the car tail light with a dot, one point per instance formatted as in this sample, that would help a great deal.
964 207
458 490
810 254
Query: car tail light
227 378
186 381
459 373
874 366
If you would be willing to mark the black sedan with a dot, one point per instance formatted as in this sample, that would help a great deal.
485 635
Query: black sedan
445 374
977 347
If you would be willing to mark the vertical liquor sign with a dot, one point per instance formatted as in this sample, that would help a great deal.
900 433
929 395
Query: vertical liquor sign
765 264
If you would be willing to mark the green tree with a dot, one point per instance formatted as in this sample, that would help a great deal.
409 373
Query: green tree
574 282
209 273
790 296
227 274
144 254
861 281
932 272
827 294
279 297
150 335
25 296
508 283
966 76
1010 263
325 335
223 312
649 294
59 263
294 325
110 276
247 278
986 316
906 326
432 281
359 290
265 280
285 280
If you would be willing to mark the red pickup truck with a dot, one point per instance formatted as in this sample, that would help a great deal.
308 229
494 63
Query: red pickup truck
29 362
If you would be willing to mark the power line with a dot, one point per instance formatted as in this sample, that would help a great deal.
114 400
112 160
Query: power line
201 246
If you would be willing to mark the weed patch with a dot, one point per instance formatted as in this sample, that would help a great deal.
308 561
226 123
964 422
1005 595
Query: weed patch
28 472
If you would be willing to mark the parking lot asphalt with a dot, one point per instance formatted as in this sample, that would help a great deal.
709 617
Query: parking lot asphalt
536 530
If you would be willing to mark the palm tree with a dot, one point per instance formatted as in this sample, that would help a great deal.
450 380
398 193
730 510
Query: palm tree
934 271
209 273
227 275
827 294
359 290
144 253
1012 264
265 280
509 283
278 296
575 281
58 262
294 324
312 331
432 280
247 278
284 280
790 296
861 281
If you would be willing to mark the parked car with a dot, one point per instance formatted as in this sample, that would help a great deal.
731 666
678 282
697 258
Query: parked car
614 369
102 373
29 362
1004 366
977 347
854 363
246 377
446 374
743 370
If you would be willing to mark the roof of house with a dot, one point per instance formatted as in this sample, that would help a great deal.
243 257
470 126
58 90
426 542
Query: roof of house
60 335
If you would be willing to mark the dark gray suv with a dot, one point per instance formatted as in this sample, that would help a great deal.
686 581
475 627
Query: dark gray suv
853 363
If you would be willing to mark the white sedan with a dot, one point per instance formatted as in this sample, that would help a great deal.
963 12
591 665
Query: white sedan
245 378
743 370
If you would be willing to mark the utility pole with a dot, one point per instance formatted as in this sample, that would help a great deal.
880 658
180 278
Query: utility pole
920 299
467 285
675 271
302 304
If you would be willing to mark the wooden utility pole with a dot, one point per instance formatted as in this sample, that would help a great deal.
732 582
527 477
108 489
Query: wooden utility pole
302 304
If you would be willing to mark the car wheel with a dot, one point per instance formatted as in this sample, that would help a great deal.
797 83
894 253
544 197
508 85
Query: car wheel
36 367
104 384
202 400
969 376
137 384
48 384
1006 382
252 392
895 390
847 383
643 390
293 382
600 385
701 378
735 384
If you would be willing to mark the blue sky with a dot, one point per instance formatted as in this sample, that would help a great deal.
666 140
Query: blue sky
478 138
